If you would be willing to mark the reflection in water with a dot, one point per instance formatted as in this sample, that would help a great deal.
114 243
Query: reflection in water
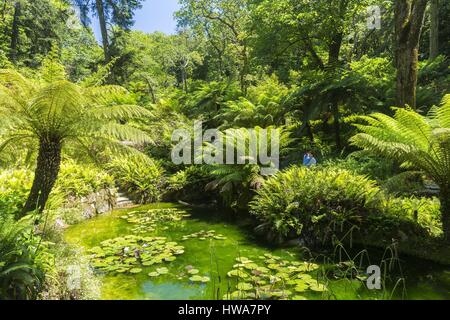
175 290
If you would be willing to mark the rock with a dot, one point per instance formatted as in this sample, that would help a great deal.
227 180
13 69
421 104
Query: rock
60 224
94 204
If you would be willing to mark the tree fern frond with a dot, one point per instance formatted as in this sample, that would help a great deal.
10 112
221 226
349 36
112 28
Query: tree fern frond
118 112
124 133
443 113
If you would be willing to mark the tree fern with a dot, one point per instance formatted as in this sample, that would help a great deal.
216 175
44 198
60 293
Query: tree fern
416 141
53 113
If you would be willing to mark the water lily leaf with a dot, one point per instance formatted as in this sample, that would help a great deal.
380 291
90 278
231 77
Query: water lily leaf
237 273
162 270
243 260
298 297
193 271
251 266
301 287
282 275
244 286
235 295
318 287
136 270
196 278
169 259
274 266
305 277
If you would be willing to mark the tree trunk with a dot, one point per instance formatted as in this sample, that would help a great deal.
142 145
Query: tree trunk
407 69
309 131
409 17
337 124
434 29
103 29
445 211
46 173
244 70
15 31
151 91
333 61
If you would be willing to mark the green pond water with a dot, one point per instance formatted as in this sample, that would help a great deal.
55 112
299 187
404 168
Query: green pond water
213 258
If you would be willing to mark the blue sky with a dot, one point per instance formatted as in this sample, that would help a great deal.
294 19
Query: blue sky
155 15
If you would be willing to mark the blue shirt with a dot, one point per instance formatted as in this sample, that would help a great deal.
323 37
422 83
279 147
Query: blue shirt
306 159
309 160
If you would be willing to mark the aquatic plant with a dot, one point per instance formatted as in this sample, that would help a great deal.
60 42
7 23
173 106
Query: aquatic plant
272 278
204 235
130 253
147 221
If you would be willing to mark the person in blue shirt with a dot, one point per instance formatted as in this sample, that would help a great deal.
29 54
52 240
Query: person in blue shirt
309 160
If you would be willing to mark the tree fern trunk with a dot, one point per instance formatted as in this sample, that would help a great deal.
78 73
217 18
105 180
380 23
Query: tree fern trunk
445 210
46 173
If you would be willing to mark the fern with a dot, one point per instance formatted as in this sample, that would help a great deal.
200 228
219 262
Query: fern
51 111
418 142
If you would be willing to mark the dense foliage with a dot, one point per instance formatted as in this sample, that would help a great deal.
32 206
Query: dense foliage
314 204
422 143
81 115
139 176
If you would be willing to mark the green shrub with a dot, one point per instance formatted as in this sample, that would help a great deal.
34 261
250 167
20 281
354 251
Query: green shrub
81 180
20 275
422 211
139 176
189 184
376 168
70 276
74 180
14 188
313 203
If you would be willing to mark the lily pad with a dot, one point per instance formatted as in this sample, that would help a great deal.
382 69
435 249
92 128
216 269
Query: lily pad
136 270
196 278
244 286
162 270
237 273
193 271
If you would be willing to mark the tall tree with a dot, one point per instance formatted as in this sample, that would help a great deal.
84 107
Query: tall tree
434 29
116 12
310 35
409 19
103 29
15 30
230 18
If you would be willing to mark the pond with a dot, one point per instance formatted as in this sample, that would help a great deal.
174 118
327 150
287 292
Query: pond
167 252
